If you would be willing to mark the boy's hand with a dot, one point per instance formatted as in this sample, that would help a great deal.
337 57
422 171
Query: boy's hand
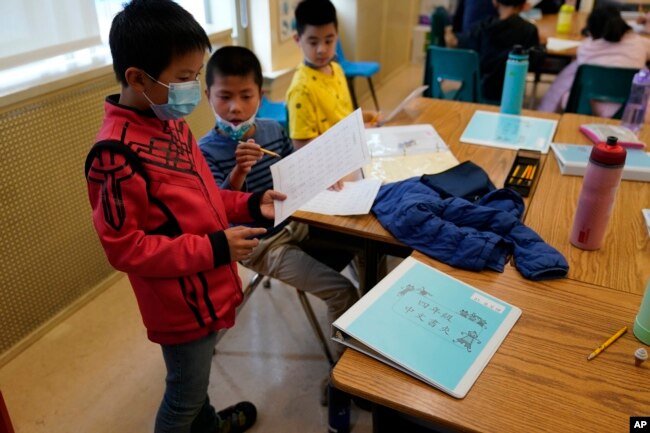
239 242
246 155
450 38
266 203
338 186
371 118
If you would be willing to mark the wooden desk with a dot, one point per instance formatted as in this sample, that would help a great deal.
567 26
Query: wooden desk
449 118
547 28
539 379
623 263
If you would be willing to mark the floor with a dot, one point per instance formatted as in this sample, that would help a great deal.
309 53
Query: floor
97 372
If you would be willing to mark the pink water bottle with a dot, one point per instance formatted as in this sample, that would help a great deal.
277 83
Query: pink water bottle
598 194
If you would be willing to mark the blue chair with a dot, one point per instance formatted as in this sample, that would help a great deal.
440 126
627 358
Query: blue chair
357 69
273 110
454 65
439 20
599 83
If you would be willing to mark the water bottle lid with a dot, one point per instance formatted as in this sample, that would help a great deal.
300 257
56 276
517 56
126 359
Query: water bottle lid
518 53
642 77
609 153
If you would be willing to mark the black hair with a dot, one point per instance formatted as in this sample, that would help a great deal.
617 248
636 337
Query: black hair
233 60
512 3
315 13
606 22
148 34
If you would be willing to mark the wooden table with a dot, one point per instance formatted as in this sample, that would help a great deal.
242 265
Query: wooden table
539 379
449 118
623 263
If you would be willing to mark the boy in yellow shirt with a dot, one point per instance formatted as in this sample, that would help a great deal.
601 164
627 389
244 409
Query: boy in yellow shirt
318 96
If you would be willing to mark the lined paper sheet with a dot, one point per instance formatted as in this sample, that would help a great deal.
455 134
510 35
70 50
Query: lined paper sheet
302 175
356 198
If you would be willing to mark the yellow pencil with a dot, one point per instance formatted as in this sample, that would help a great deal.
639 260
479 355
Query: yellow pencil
268 152
607 343
532 172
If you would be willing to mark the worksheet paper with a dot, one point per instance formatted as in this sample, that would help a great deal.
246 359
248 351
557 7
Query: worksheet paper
556 44
356 198
414 94
302 175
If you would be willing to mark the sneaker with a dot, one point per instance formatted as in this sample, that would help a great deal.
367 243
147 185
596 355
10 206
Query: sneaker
237 418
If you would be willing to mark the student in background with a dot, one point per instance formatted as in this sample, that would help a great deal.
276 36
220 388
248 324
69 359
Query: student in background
234 90
493 39
159 215
611 42
318 96
470 12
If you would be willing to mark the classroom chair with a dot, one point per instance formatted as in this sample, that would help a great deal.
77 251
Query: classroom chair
255 281
5 421
599 83
357 69
439 20
273 110
457 66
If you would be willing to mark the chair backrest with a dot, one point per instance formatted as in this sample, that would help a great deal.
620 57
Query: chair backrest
339 51
273 110
453 66
594 83
439 20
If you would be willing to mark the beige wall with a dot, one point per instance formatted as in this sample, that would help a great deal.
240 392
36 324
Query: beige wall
275 55
377 30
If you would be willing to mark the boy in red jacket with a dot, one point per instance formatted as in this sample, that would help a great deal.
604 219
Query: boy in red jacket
159 214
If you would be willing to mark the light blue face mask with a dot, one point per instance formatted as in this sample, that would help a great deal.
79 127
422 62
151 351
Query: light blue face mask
182 99
236 132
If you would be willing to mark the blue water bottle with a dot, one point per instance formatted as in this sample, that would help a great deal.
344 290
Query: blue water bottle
514 84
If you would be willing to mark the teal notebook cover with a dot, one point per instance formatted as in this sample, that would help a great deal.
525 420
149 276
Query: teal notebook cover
428 324
509 131
572 160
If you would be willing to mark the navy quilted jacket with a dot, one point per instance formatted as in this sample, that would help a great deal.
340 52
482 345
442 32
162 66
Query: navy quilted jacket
472 236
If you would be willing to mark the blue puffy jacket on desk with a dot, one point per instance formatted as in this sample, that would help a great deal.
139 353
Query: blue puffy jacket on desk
474 236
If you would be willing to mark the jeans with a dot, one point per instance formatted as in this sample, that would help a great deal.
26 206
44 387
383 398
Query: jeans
185 407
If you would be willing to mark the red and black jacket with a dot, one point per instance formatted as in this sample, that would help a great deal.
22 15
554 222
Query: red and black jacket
161 218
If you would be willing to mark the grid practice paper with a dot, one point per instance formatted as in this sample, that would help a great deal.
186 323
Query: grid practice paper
341 150
356 198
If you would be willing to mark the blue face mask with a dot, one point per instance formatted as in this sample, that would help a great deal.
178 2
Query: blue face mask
182 99
236 132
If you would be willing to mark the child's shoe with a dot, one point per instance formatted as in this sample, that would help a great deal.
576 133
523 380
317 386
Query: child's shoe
237 418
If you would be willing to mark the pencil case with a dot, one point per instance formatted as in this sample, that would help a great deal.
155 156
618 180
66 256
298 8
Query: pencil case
524 172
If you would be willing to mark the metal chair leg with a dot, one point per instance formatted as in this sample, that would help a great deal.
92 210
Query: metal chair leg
309 312
350 81
372 92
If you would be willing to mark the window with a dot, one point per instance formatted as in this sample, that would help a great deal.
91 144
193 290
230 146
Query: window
36 29
45 40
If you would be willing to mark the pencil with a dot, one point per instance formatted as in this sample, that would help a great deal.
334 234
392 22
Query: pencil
268 152
532 172
607 343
